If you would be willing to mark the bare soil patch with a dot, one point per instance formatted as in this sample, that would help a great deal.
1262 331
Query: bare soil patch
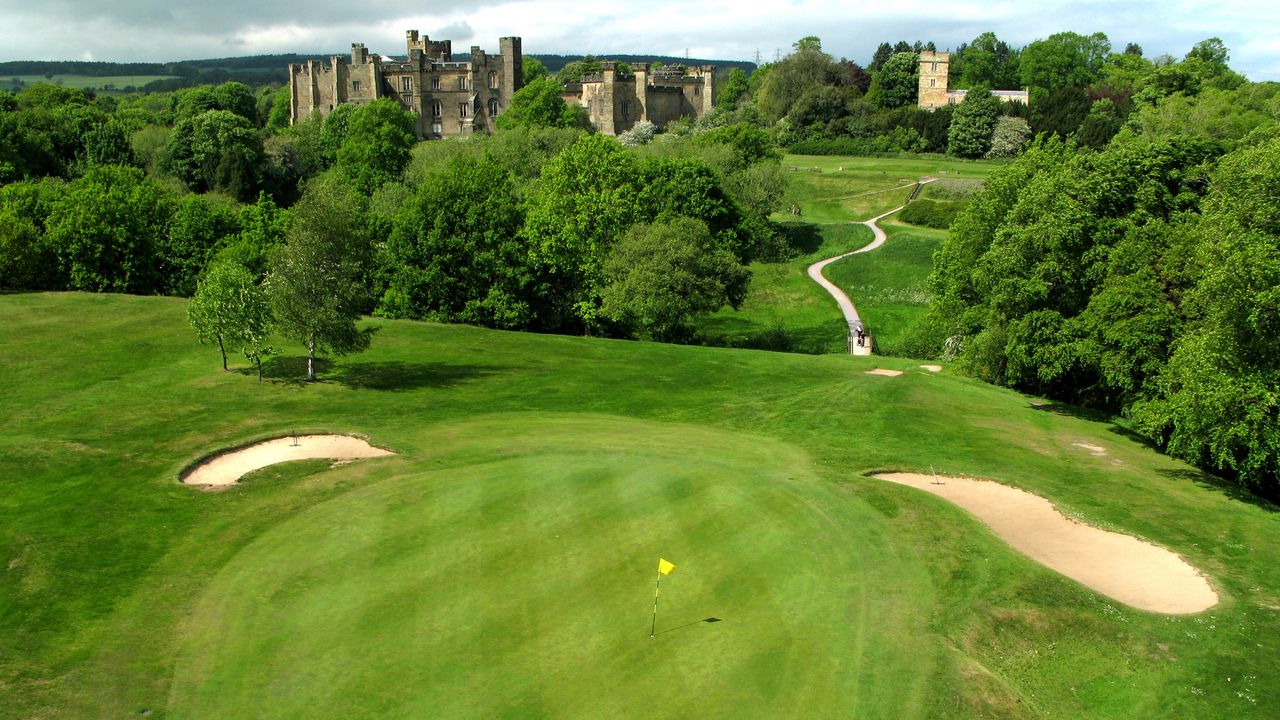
1095 450
932 368
1122 567
226 468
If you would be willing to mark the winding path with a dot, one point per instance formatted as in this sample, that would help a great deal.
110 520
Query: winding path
846 305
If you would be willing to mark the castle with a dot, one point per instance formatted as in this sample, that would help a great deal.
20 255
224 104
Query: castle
934 79
452 98
616 103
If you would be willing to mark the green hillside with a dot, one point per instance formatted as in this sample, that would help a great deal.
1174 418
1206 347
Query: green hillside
501 565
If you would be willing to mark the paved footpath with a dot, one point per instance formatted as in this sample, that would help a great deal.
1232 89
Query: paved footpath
846 305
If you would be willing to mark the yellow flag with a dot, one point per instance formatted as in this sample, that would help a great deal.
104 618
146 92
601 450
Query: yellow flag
665 567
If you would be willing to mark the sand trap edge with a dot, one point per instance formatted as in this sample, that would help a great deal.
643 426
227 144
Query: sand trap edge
185 475
1065 548
883 372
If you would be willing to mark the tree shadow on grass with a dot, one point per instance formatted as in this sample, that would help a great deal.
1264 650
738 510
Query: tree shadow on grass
1226 486
1098 416
399 375
1223 485
801 237
389 375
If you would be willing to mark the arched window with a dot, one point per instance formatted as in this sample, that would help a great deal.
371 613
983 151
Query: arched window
436 109
493 107
493 79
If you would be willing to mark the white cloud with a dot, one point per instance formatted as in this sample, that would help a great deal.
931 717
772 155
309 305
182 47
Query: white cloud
151 30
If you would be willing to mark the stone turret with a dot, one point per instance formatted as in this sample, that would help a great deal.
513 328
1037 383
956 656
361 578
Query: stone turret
934 67
512 67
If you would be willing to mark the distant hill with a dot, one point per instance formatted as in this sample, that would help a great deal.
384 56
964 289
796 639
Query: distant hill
555 62
265 69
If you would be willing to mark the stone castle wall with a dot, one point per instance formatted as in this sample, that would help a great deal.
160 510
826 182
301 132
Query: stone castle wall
616 104
450 96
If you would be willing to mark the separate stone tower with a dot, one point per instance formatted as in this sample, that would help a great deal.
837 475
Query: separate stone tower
933 79
512 67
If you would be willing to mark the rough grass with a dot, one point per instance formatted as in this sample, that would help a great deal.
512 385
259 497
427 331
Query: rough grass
434 583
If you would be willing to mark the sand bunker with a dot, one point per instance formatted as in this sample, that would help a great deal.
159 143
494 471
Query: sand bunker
226 468
886 373
932 368
1119 566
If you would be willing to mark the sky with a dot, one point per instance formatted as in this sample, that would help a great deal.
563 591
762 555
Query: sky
160 30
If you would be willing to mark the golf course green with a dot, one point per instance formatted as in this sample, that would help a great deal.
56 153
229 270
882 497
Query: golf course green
502 562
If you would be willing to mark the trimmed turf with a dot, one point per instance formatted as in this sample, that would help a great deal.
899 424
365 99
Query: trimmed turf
433 583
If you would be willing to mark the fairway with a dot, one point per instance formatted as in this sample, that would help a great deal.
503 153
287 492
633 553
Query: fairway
501 563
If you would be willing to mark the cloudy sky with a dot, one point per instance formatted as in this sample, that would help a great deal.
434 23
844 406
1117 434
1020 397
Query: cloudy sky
157 30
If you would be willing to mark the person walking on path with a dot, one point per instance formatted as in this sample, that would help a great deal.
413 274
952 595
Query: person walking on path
862 335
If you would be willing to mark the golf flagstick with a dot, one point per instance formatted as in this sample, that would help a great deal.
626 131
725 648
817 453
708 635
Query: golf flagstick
664 568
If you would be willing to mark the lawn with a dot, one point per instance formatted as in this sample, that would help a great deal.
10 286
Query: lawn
501 565
86 82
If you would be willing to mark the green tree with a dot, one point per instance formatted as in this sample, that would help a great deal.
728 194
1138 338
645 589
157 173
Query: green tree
231 308
584 201
28 259
973 124
280 114
1062 60
199 226
108 144
316 281
1221 404
454 254
734 89
108 228
531 68
539 105
659 277
790 78
897 82
376 145
217 150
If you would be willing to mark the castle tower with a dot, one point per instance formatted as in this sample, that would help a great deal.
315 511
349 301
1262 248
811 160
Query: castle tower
512 68
933 79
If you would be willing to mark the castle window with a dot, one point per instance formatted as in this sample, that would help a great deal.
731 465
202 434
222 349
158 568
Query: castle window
933 82
493 108
462 83
462 109
626 106
493 79
355 86
437 128
436 109
697 89
935 67
406 84
435 83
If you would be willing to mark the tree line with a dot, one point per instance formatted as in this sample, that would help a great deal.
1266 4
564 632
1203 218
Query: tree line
545 226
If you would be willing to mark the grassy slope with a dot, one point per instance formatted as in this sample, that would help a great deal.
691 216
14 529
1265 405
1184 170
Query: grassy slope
840 595
785 310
